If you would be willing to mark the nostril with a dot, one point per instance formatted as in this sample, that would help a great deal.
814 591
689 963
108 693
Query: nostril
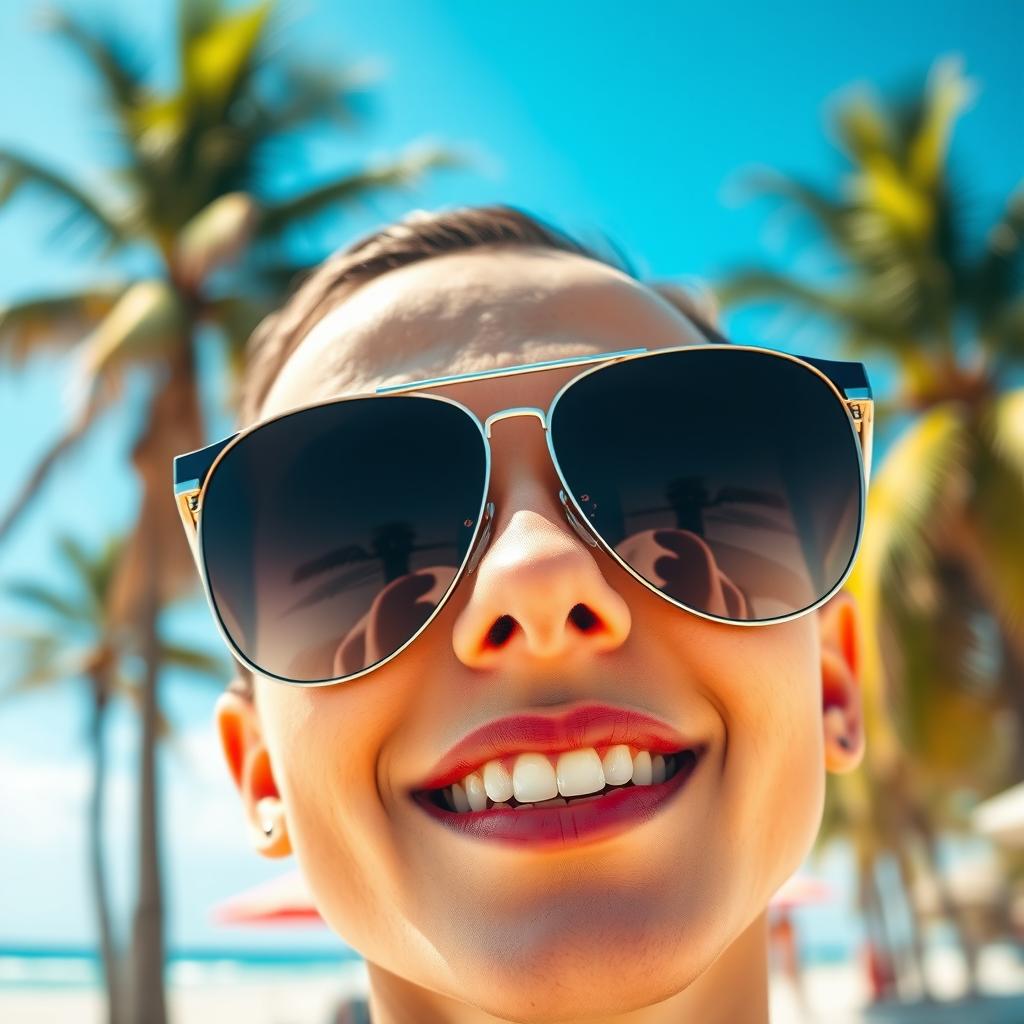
502 629
583 618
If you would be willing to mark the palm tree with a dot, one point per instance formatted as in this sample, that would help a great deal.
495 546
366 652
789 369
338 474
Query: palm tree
79 641
938 575
192 199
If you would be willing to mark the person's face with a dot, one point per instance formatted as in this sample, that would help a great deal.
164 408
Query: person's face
577 930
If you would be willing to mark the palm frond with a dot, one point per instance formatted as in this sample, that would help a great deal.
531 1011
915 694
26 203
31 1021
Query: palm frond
403 171
31 325
34 680
998 276
19 173
862 129
219 55
113 60
42 597
307 95
992 534
215 237
86 415
858 312
197 661
1003 426
146 321
947 95
92 568
925 465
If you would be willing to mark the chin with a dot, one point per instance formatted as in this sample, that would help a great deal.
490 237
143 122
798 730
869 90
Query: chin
615 984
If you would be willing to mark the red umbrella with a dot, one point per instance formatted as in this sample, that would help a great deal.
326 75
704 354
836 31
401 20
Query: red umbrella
799 891
282 900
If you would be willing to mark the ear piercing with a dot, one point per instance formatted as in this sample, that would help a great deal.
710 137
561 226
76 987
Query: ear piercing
268 818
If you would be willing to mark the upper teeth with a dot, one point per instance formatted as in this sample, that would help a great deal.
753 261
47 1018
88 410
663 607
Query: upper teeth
537 777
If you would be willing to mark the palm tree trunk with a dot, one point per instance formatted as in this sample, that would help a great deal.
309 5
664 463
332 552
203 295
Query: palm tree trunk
952 912
1013 687
874 920
148 998
100 893
917 946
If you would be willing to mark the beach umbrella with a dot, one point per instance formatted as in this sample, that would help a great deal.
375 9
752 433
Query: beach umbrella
282 900
1002 817
801 891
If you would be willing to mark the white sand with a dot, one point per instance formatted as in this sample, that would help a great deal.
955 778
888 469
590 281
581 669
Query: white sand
834 994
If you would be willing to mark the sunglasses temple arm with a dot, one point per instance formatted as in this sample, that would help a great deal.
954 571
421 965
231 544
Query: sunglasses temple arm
189 475
863 412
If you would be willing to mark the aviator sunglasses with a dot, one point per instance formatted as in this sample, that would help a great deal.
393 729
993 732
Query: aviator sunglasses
728 479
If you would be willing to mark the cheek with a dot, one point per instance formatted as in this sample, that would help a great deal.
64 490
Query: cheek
775 757
325 749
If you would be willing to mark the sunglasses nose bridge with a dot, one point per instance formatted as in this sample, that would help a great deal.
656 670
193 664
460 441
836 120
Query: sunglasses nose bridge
515 410
485 535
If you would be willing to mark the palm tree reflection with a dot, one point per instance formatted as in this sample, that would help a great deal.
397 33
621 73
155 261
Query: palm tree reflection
690 496
390 555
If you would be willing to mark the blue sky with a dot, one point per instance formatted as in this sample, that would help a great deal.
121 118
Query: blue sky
636 126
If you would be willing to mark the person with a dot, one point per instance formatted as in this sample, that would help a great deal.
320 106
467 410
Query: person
581 913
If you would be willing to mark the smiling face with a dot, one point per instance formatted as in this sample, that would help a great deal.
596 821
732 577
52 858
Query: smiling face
530 934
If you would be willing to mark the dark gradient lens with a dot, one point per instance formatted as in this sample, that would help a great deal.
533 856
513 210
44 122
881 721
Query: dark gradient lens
727 478
330 535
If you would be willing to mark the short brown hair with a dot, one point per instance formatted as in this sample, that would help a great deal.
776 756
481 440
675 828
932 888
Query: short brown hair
417 236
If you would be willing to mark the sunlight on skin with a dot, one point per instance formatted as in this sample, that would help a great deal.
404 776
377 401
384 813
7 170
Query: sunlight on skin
662 923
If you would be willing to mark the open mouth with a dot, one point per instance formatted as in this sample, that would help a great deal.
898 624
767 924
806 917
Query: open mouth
444 799
563 822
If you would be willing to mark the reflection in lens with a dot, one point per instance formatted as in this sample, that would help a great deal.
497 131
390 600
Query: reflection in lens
331 534
727 478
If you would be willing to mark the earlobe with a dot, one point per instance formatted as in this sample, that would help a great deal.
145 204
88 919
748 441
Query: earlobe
248 761
841 703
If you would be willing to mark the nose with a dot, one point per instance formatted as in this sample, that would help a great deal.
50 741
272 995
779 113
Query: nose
538 593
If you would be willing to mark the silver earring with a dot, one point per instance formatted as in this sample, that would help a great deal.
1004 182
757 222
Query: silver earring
268 828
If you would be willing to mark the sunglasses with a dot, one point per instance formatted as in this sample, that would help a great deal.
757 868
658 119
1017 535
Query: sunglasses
728 479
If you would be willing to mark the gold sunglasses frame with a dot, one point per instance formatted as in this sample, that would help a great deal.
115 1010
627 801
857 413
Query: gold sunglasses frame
193 471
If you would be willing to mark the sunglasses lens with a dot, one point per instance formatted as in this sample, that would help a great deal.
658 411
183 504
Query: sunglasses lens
730 480
331 535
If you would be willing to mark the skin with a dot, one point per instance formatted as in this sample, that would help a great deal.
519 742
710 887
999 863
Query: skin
664 923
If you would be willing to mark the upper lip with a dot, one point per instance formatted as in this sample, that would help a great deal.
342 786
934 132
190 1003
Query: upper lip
585 725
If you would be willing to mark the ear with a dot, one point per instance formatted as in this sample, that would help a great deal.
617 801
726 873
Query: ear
841 706
248 760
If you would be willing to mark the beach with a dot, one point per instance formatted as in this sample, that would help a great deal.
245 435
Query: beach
211 992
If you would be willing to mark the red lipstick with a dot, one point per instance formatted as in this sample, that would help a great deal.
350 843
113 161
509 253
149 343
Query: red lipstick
576 823
585 725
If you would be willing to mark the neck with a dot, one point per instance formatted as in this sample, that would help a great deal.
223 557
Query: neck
732 990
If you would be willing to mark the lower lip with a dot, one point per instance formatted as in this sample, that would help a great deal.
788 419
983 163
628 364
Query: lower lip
569 825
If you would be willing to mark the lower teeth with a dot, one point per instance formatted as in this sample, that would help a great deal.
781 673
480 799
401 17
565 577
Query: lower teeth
671 767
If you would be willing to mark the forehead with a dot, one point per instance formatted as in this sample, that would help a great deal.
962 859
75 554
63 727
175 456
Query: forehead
476 310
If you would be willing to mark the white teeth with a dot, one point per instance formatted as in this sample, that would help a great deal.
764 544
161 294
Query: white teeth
533 779
617 765
579 772
540 780
557 801
497 781
475 792
642 769
459 797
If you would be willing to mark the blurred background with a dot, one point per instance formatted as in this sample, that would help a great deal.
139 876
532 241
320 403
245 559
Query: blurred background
845 177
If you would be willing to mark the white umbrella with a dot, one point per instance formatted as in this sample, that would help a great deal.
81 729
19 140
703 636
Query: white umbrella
1002 816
